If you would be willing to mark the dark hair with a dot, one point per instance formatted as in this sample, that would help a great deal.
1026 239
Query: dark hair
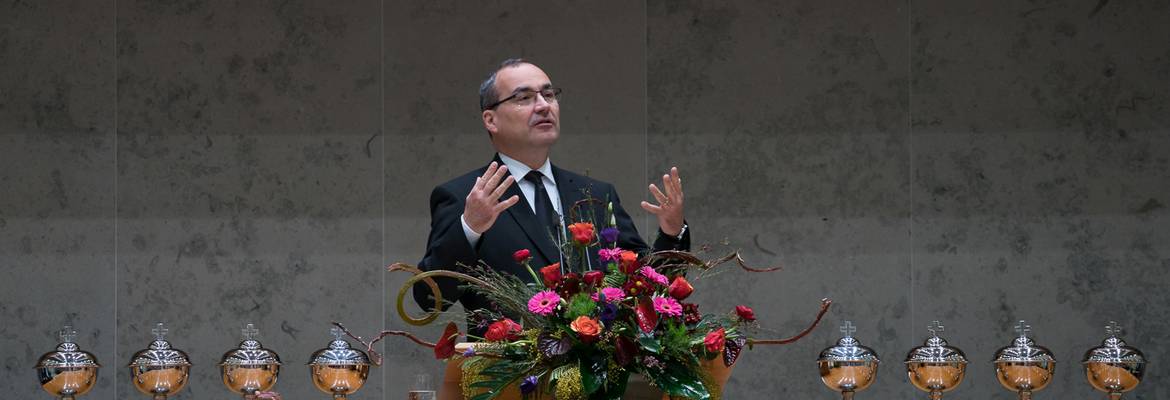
487 89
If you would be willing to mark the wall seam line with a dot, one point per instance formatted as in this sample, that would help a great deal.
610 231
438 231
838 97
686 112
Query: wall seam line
910 147
115 150
382 156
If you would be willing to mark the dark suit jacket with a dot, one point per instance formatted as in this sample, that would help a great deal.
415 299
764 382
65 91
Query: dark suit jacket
516 228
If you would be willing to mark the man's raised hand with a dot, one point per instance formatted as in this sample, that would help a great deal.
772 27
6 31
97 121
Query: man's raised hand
483 204
669 209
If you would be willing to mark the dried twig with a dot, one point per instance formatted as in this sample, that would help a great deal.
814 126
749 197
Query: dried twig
824 308
743 264
689 259
375 357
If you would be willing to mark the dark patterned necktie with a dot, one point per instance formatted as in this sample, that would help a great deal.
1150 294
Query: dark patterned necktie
542 204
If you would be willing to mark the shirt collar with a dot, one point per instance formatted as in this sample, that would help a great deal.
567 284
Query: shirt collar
520 170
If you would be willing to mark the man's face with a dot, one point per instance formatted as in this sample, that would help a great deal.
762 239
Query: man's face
515 127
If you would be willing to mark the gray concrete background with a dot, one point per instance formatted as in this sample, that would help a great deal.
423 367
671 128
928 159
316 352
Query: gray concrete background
213 163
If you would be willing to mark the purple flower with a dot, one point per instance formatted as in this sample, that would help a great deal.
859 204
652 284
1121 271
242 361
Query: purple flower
470 352
652 362
609 235
528 385
608 313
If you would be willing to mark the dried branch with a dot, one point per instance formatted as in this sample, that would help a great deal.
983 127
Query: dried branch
743 264
376 357
824 308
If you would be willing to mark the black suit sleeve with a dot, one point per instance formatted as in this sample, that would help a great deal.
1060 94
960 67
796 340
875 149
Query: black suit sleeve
447 248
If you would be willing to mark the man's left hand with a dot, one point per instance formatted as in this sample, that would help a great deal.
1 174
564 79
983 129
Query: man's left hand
669 209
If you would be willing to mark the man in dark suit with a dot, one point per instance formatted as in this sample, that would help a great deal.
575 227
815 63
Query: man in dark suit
520 199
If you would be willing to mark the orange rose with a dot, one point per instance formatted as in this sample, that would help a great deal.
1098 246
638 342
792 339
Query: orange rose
582 233
587 328
628 262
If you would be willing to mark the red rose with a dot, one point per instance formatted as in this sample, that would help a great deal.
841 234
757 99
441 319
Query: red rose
594 278
587 328
745 313
714 341
551 274
582 233
522 256
680 288
501 330
629 262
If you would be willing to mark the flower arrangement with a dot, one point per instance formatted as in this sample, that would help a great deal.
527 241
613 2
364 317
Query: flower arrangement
578 330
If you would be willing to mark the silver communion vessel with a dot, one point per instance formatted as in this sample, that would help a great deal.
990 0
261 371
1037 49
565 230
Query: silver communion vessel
936 367
339 369
251 368
67 372
848 367
159 371
1114 367
1024 367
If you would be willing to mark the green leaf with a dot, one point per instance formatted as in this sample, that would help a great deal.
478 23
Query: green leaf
559 372
650 344
592 374
499 375
678 380
614 278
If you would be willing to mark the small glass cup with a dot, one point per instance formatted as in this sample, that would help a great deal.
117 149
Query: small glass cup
422 389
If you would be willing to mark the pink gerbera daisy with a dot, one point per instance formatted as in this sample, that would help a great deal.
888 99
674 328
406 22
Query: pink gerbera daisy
666 306
609 255
658 278
544 303
612 295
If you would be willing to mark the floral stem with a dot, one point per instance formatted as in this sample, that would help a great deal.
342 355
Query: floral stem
535 278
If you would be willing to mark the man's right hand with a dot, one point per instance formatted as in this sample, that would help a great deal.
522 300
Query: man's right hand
483 204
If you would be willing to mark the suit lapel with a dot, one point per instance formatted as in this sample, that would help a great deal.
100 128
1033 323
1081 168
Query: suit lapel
571 191
522 214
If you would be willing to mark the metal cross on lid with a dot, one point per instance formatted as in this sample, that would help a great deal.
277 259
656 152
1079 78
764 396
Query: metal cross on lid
160 331
337 333
250 332
67 334
935 328
1023 329
848 328
1113 329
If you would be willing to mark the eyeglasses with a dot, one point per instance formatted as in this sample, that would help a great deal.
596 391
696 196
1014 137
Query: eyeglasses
525 98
